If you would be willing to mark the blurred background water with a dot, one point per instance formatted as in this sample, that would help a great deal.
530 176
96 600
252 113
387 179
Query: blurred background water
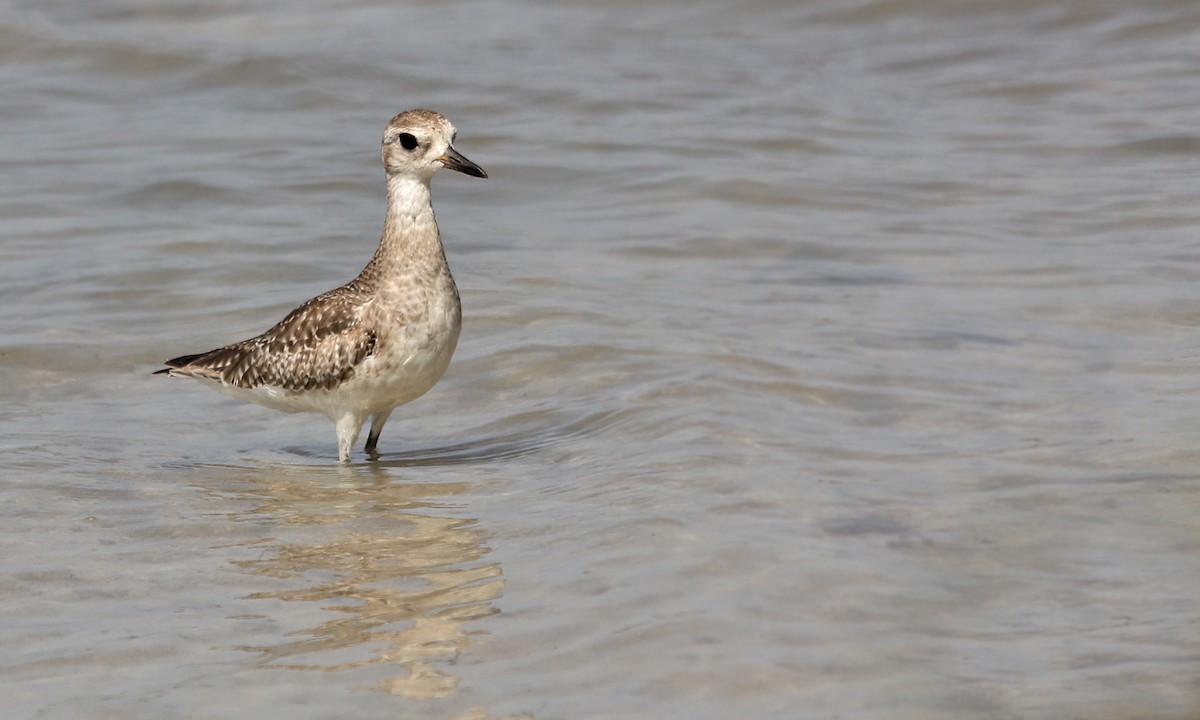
831 358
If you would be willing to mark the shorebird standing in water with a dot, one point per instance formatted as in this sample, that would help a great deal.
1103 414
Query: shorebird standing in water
381 340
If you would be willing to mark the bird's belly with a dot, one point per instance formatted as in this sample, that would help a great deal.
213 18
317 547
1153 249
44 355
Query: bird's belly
404 367
393 378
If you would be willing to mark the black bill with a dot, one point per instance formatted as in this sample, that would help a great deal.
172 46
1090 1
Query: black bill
454 160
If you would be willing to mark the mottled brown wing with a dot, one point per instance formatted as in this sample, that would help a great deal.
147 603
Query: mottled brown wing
317 346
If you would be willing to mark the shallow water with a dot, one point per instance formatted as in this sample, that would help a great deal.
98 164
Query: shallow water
820 359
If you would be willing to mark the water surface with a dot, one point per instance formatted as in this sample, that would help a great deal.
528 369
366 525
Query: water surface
820 359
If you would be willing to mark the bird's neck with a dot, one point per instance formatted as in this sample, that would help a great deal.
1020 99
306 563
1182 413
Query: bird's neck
410 241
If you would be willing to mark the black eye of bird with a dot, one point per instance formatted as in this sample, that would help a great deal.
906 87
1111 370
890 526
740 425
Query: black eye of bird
407 141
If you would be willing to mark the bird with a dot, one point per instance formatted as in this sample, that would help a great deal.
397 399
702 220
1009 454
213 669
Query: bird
381 340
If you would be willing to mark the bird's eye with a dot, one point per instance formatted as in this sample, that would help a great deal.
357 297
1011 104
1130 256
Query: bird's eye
407 141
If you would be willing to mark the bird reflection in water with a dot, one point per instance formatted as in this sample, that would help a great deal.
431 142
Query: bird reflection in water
404 583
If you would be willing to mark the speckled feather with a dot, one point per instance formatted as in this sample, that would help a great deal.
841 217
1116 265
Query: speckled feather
316 347
377 342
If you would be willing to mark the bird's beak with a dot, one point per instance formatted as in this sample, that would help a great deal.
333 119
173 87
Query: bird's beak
454 160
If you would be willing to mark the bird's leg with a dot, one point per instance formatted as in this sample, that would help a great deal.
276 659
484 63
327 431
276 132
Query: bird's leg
377 423
348 428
